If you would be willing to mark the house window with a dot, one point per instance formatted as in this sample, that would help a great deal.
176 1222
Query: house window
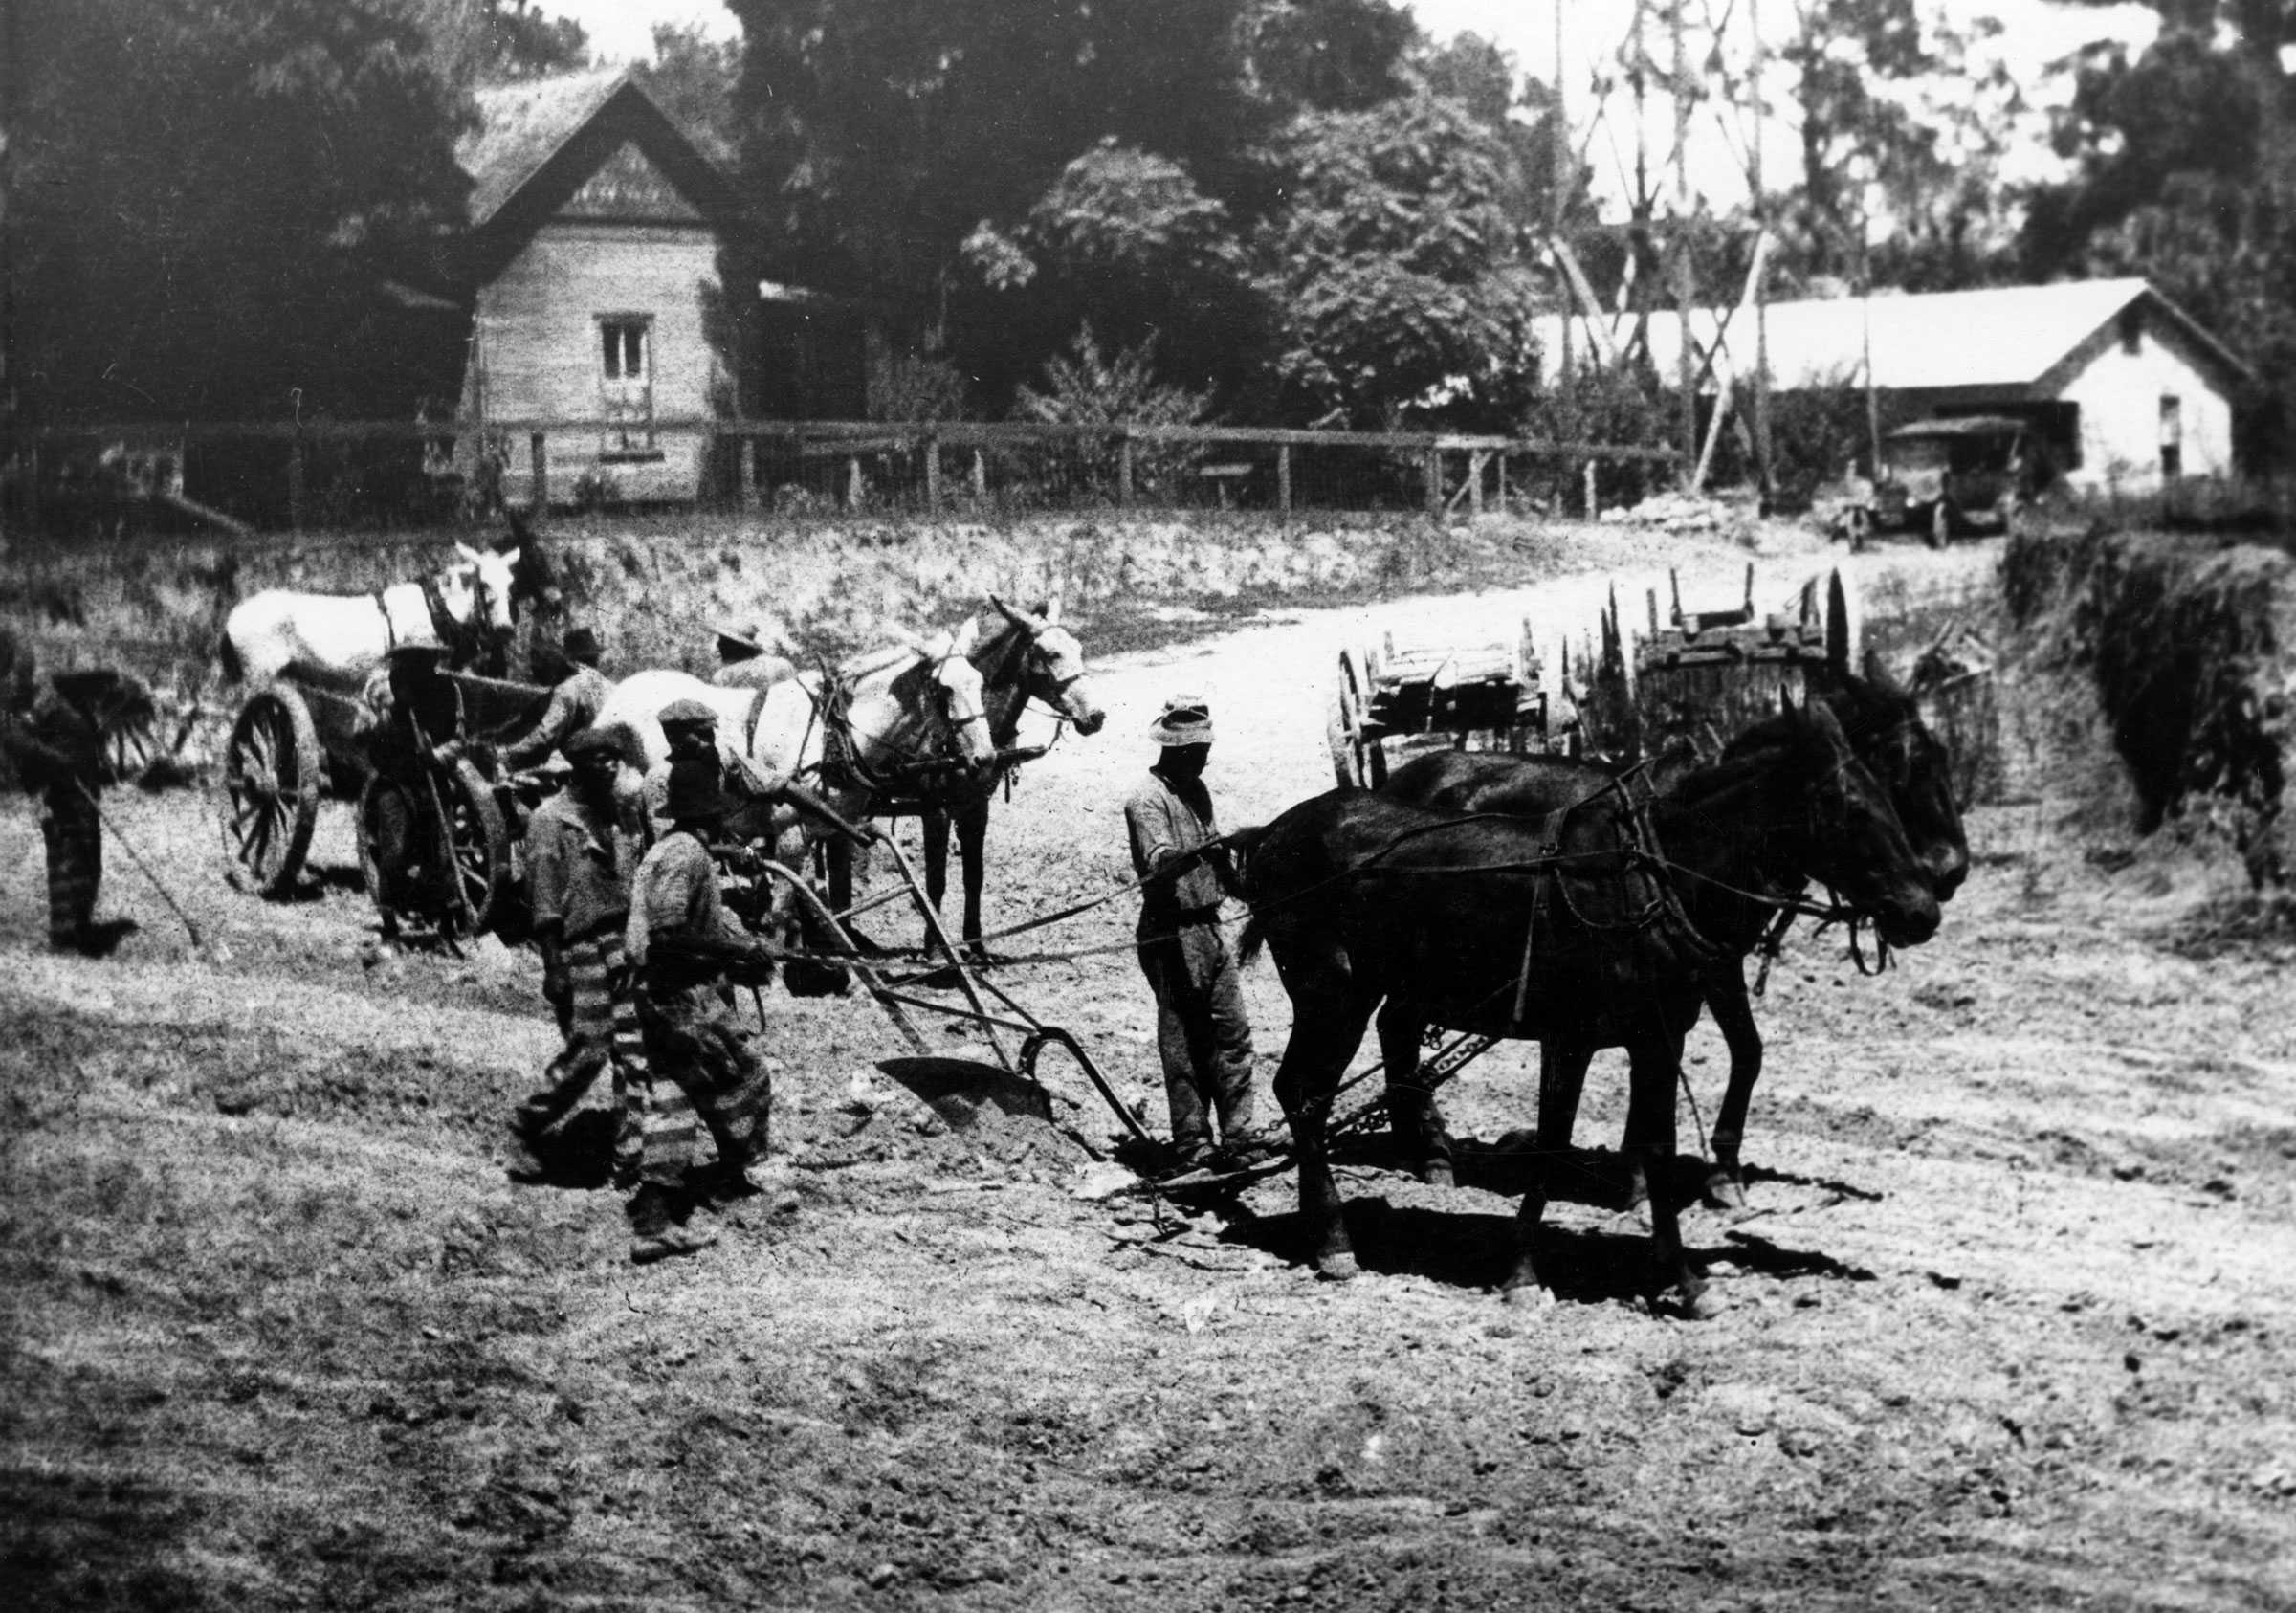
2172 437
626 386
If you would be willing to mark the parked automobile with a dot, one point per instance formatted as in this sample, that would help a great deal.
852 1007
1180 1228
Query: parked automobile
1947 478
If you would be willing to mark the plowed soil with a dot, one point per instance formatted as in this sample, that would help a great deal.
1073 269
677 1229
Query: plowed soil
2010 1320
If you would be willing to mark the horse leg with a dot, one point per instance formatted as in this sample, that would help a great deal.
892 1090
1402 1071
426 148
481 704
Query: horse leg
1421 1142
1561 1077
1734 1015
1326 1029
932 830
972 844
1656 1069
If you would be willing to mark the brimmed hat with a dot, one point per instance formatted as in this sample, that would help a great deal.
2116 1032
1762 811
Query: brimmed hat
696 792
687 712
1186 719
742 634
579 644
417 653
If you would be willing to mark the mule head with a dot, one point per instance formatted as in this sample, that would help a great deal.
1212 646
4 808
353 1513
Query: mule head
1855 842
1912 764
477 591
962 694
1052 665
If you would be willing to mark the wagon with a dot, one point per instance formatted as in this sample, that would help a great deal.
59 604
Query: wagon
1391 704
1698 677
295 739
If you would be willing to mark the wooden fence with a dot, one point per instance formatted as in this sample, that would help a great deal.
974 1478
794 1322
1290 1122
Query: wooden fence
306 474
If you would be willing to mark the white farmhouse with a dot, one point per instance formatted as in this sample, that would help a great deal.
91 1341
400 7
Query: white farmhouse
2126 388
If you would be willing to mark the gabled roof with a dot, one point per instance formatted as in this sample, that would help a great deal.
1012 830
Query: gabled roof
540 140
2003 337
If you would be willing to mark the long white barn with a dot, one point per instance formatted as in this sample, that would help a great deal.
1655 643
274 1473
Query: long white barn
2128 389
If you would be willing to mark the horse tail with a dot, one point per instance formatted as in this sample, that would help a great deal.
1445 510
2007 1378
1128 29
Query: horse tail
1241 844
1248 942
227 652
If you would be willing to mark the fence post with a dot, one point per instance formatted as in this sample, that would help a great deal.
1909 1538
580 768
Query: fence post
1592 509
1435 483
1474 482
980 477
1124 467
1282 481
933 473
1501 456
540 448
295 482
748 454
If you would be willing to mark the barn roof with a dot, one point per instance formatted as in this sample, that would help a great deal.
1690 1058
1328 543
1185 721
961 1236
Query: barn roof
2000 337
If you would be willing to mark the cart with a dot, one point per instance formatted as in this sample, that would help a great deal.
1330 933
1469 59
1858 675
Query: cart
1390 705
295 741
1696 678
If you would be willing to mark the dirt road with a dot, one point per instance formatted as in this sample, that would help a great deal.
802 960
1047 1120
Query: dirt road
2010 1322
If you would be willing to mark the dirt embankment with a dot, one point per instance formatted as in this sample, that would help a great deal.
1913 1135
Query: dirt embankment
2190 645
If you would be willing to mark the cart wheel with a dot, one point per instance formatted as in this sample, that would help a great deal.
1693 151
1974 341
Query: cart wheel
480 847
1941 525
1343 730
477 848
271 774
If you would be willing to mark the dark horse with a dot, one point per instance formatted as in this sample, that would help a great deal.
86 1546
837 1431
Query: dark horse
1032 659
1569 929
1884 725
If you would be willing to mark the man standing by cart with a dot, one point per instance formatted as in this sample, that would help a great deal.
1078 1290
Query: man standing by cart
1203 1033
578 869
687 951
575 701
412 728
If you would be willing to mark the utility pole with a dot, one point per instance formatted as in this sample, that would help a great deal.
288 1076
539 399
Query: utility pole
1685 369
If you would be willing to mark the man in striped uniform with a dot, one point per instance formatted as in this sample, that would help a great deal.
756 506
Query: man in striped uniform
55 743
685 947
577 867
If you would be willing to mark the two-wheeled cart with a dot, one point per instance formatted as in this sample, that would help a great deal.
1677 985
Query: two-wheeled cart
1390 704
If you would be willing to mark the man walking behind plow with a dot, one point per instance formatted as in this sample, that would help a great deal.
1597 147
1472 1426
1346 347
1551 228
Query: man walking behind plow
688 951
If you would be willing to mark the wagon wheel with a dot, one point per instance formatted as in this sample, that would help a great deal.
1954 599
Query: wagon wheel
1352 756
477 850
271 776
129 747
1941 525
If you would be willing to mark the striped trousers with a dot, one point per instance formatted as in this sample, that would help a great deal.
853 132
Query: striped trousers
600 1024
700 1073
74 832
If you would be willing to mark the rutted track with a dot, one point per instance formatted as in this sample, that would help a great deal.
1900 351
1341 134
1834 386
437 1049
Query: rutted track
2012 1322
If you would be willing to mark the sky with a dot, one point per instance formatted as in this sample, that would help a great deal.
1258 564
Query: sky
2034 34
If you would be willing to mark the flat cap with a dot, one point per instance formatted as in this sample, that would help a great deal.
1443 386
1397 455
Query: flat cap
685 713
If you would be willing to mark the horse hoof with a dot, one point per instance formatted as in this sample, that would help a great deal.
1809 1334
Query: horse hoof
1337 1269
1723 1192
1529 1296
1437 1173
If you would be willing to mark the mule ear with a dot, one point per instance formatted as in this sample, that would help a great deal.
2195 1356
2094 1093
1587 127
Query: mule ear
966 637
1008 612
1820 718
1049 610
1785 703
467 552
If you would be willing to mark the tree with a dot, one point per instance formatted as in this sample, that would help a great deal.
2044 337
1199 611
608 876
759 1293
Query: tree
2185 173
205 194
1395 268
881 134
693 77
1329 55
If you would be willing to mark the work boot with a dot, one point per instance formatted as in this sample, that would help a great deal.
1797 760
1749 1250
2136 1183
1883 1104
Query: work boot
655 1230
519 1162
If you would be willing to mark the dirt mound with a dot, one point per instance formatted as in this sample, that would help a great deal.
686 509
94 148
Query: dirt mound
2192 647
951 1118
